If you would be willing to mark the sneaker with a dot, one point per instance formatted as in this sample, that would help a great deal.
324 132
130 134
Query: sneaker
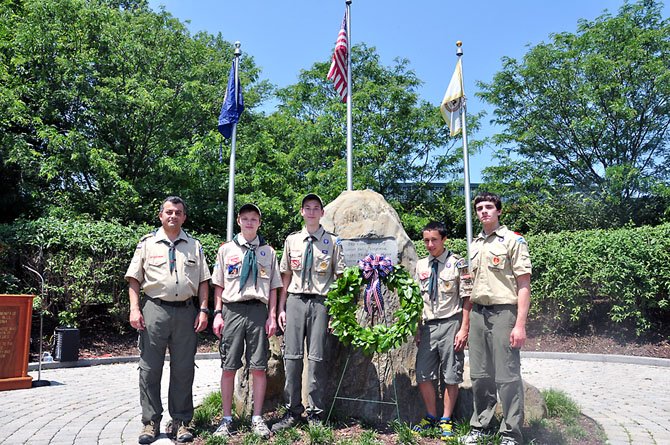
150 432
289 420
425 424
181 432
259 428
508 441
224 429
446 427
472 438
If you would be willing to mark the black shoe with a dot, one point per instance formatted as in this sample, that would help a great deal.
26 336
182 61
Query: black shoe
288 421
150 432
314 419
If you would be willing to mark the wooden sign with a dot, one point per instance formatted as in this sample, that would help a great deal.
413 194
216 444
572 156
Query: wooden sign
15 320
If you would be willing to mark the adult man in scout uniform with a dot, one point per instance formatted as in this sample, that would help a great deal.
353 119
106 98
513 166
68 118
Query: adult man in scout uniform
443 332
312 260
170 267
501 298
245 277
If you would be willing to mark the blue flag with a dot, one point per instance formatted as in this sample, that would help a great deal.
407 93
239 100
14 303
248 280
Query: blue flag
231 108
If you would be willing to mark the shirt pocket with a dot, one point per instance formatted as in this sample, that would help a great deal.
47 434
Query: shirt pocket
232 269
497 259
295 260
322 261
158 262
264 265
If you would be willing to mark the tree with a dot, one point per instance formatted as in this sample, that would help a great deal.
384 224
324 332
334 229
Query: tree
398 139
592 109
109 107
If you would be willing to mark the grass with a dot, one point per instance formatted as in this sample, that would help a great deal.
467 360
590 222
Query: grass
562 426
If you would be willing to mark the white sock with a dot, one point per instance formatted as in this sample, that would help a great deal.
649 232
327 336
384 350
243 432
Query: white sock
228 419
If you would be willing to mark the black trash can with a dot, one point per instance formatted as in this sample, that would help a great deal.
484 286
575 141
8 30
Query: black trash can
66 344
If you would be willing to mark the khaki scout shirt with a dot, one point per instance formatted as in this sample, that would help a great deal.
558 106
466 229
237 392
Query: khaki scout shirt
328 261
151 266
228 268
450 291
497 260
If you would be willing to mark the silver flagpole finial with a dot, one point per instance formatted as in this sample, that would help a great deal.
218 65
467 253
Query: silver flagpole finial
459 50
238 51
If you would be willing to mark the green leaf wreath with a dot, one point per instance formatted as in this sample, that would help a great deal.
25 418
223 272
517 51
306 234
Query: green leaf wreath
378 338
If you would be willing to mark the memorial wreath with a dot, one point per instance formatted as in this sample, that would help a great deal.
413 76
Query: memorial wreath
374 271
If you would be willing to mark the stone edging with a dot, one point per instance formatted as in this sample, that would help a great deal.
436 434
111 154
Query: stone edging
602 358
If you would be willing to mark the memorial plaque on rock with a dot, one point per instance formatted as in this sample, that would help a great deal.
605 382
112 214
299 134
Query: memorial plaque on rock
358 248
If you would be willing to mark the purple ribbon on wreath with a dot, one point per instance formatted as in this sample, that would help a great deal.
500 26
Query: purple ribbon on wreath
374 267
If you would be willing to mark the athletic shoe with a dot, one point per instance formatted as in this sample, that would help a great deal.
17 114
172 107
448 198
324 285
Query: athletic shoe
472 438
259 427
425 424
446 427
224 429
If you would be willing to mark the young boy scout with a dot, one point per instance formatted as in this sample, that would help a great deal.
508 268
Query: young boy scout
171 268
245 277
311 261
443 332
501 298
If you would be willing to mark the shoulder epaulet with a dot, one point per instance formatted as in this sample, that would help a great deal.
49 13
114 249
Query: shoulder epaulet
149 235
294 233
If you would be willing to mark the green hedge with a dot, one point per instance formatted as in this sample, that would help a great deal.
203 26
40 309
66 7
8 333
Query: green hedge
82 261
579 278
592 276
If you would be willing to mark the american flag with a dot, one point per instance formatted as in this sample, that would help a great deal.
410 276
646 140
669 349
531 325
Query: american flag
338 69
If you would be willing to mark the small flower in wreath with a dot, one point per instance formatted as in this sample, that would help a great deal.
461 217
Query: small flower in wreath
374 271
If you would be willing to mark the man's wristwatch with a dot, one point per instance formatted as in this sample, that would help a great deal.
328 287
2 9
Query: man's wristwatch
204 310
217 311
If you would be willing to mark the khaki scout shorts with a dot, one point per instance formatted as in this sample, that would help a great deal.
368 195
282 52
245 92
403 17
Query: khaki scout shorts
244 331
436 350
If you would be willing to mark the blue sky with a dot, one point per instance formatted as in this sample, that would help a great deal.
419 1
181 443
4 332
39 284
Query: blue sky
285 37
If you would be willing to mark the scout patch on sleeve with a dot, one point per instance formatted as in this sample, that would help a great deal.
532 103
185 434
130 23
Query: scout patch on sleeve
520 238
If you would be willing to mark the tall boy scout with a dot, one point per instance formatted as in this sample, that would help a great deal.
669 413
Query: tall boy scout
311 261
501 298
245 277
444 329
171 268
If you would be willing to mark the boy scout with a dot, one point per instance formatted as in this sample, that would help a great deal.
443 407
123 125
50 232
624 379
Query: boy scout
171 268
245 277
311 261
501 298
443 332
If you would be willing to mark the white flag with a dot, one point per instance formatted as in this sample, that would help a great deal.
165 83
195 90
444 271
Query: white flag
454 100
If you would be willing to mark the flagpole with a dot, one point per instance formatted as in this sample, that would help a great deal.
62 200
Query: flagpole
350 159
466 165
231 175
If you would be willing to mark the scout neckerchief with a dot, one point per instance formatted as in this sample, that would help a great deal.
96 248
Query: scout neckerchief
171 252
249 265
307 260
432 283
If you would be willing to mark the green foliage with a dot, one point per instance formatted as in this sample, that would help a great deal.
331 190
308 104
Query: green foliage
320 434
208 410
560 405
404 432
341 302
286 436
591 110
83 263
620 275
